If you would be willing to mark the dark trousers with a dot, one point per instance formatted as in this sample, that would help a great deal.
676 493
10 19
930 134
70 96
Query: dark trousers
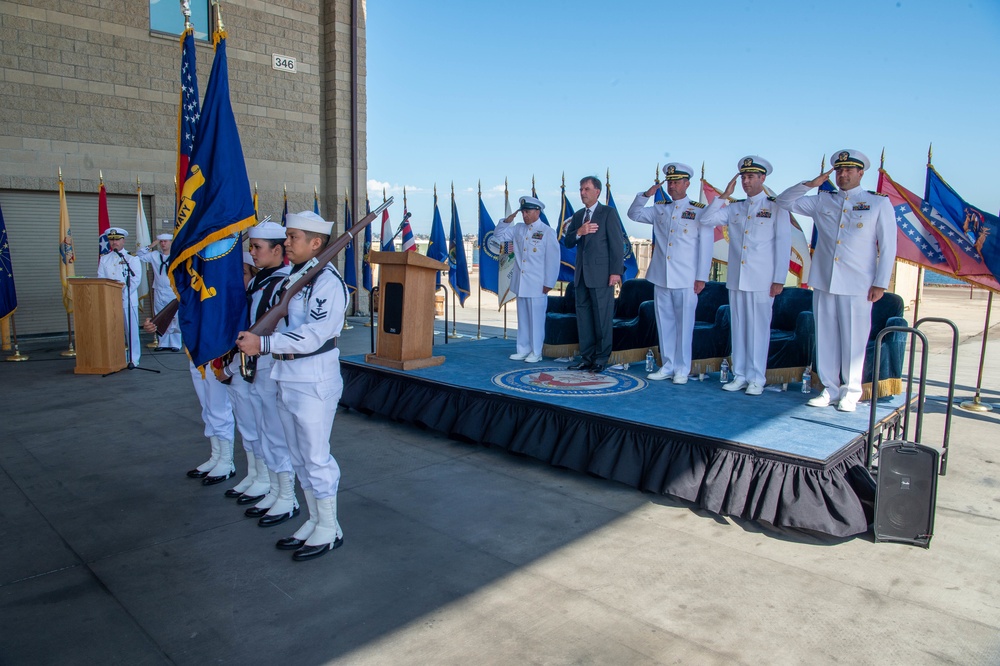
595 308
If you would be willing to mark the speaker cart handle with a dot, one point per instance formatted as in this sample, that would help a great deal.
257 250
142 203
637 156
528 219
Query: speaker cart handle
909 388
951 383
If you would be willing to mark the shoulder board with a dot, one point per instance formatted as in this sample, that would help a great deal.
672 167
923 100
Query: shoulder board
732 201
830 191
697 204
772 198
877 193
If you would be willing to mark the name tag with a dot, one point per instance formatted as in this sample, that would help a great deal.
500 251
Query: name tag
862 206
687 215
764 212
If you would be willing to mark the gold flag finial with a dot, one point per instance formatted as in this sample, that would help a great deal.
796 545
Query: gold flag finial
383 195
255 187
703 170
881 160
822 164
656 175
607 177
285 188
564 180
315 193
100 174
929 146
218 16
186 11
452 189
404 197
60 174
138 185
480 186
505 185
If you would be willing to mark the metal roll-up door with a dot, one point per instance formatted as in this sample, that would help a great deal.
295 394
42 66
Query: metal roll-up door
32 220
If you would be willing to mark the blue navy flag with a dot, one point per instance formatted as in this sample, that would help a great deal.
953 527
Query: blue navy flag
438 246
972 229
8 295
366 266
489 252
350 261
458 265
631 263
206 259
567 255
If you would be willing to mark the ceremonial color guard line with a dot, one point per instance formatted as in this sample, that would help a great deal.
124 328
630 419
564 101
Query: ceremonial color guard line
775 461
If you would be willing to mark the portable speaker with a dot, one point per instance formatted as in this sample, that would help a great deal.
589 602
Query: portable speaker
392 317
906 493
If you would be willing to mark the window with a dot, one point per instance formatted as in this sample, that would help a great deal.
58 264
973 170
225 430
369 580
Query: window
165 16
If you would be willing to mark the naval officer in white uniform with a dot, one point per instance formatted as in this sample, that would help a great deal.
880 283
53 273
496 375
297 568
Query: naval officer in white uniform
536 249
760 242
307 372
851 267
163 293
123 267
678 269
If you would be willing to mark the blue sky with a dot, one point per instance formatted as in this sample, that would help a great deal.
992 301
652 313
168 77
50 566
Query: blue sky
462 92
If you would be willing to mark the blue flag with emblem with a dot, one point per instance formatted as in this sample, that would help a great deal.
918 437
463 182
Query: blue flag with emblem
972 229
567 255
206 259
366 266
489 251
350 260
438 246
458 265
631 263
8 295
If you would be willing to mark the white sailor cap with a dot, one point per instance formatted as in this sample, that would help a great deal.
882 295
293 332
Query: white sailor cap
168 237
754 164
114 233
268 231
247 258
848 157
677 171
308 221
531 203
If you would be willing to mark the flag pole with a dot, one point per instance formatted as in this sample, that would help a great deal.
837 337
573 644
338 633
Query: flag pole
17 355
353 301
148 269
479 280
976 405
454 305
503 250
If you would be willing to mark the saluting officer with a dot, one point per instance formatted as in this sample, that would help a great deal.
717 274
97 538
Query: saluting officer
851 267
123 267
678 269
307 372
536 249
760 242
157 256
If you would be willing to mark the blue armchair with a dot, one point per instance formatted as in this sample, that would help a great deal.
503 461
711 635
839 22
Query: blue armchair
793 336
710 341
887 311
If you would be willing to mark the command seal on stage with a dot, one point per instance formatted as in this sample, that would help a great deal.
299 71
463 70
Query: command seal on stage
563 382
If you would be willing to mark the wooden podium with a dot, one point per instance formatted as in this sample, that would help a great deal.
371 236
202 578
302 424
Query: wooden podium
100 325
405 310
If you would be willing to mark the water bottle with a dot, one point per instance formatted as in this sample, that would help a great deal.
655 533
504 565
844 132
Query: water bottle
650 361
807 378
724 371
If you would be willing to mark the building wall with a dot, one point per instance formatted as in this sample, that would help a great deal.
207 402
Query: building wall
85 86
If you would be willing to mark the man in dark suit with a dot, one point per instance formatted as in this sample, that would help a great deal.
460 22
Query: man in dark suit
596 232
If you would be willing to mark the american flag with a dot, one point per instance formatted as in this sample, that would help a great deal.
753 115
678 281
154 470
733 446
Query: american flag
189 111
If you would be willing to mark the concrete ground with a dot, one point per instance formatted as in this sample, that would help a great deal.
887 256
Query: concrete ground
456 554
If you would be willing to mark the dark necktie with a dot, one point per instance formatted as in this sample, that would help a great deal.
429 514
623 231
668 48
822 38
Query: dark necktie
586 216
163 264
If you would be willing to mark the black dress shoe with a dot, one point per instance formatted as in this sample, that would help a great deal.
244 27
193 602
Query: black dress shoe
310 552
256 512
232 493
582 365
249 499
173 349
160 349
290 543
597 368
212 480
268 520
197 474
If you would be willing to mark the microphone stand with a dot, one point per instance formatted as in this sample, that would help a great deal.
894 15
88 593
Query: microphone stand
128 318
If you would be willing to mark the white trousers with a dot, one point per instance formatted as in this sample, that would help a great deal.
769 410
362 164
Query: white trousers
216 409
239 396
264 397
675 324
751 334
172 336
843 324
307 410
131 309
531 324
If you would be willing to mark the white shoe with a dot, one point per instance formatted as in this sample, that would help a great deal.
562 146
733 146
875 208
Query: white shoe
533 358
846 405
824 399
737 384
518 357
659 375
680 379
754 389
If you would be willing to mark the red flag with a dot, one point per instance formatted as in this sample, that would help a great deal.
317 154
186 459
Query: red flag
103 221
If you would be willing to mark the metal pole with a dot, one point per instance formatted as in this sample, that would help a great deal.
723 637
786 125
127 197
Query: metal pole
916 301
504 321
975 405
17 355
71 352
454 318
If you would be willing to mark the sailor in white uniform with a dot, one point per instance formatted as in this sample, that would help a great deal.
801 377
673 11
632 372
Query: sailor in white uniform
163 293
760 242
123 267
307 372
678 269
851 267
275 475
536 249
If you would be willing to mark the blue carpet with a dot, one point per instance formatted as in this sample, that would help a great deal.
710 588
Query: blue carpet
777 422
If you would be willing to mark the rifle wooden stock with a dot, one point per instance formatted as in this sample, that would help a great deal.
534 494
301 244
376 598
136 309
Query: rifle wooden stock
163 318
267 322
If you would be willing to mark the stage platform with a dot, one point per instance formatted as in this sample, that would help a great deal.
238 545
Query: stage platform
769 458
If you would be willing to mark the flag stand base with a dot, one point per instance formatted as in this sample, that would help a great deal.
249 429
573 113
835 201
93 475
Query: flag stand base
17 356
973 405
69 353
